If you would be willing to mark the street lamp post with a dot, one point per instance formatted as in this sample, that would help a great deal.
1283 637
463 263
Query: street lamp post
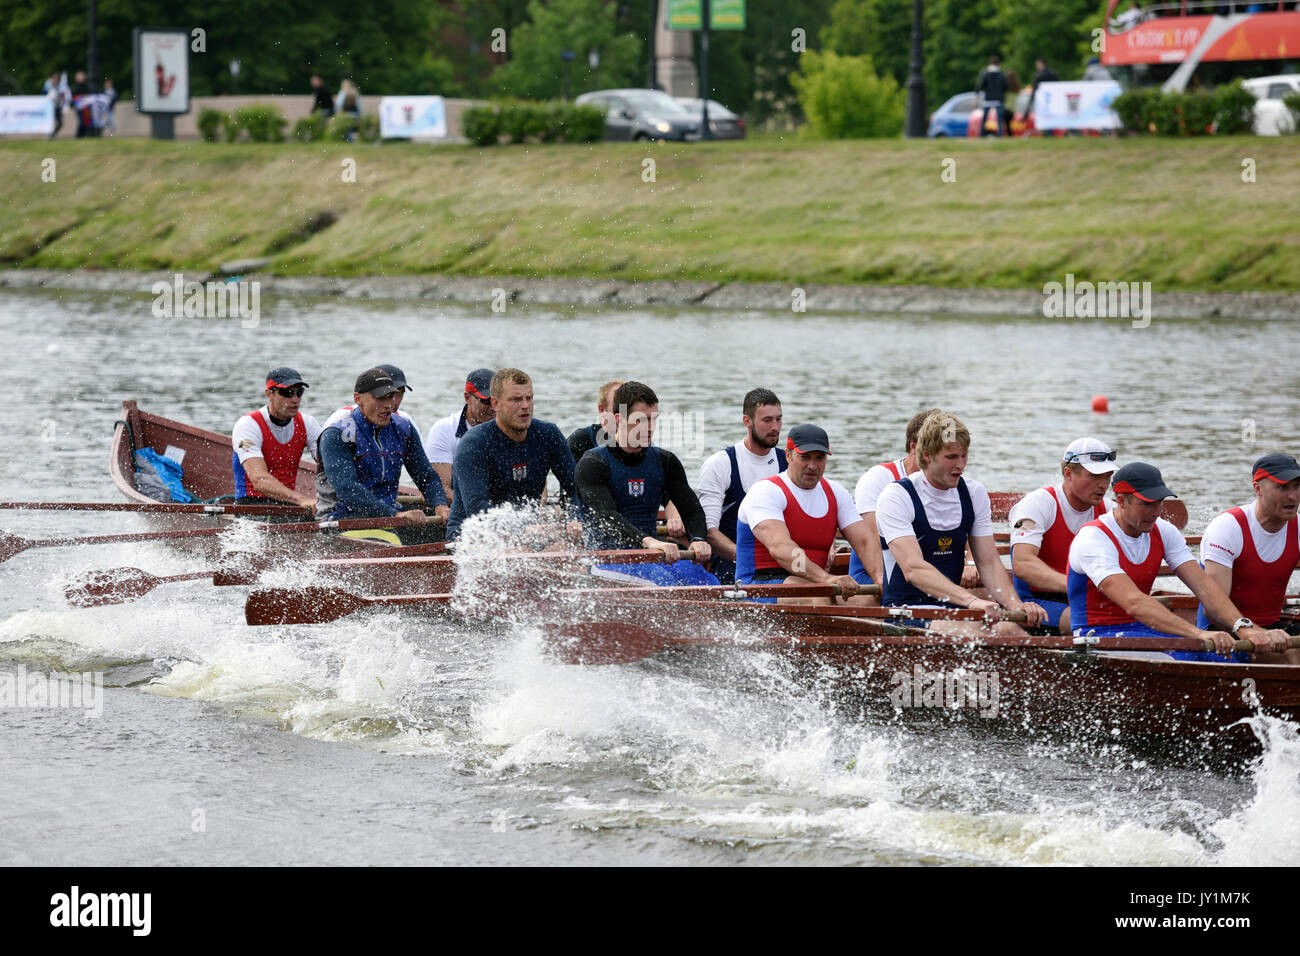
567 56
593 61
916 125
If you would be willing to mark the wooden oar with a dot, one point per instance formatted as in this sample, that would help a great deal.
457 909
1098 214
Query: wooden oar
226 577
119 585
11 544
159 507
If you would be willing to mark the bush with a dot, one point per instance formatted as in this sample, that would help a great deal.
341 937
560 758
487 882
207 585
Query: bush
340 127
844 98
1133 107
582 124
368 128
265 124
309 129
229 127
522 119
481 125
1198 113
1234 109
1292 102
209 123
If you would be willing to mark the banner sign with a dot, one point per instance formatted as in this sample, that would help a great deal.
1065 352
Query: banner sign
689 14
26 114
685 14
162 70
1076 105
727 15
412 117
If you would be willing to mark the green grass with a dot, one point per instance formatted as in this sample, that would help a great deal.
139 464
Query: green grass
1174 212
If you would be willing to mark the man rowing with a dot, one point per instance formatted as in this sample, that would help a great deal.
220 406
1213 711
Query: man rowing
926 521
1044 523
507 460
786 524
1114 561
446 433
727 475
1250 552
268 444
867 492
622 484
362 449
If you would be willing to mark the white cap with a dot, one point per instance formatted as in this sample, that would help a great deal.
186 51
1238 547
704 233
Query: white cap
1093 453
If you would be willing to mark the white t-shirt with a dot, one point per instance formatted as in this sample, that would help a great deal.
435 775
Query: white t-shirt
1093 554
1039 508
440 444
765 502
247 436
873 481
895 512
715 477
1222 542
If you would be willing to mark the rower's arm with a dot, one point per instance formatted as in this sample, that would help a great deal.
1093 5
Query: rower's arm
993 573
924 575
1120 588
1221 575
722 546
775 536
264 483
472 475
861 535
423 474
1034 571
563 465
443 468
683 498
1218 606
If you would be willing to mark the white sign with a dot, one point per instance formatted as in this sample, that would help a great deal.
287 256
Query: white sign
412 117
26 114
162 71
1076 105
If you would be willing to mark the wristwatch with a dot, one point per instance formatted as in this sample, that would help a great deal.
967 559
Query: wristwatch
1241 622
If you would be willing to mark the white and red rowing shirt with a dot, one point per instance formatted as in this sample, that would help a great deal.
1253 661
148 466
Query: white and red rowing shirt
875 480
1045 519
255 435
1261 561
812 517
1100 550
896 515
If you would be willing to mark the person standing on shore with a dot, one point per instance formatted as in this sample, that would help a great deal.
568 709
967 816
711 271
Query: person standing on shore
992 87
322 102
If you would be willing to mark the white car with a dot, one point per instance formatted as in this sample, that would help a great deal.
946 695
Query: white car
1272 118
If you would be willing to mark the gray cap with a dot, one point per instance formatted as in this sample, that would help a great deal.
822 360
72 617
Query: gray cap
375 382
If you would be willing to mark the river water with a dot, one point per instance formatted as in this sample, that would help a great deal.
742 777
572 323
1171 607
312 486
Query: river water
388 738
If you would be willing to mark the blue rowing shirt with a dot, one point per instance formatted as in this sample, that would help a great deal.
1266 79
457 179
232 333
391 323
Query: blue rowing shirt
946 550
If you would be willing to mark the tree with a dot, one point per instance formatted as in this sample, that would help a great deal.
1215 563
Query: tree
1042 28
957 45
882 29
536 70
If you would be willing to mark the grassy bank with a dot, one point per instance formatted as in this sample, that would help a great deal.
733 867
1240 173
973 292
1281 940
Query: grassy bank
1175 213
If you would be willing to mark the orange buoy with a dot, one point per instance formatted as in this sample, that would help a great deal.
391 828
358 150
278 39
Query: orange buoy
1099 404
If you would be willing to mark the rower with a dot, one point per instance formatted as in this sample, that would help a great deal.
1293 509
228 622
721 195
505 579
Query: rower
268 443
1250 552
867 492
1044 522
1114 561
507 459
621 487
926 521
362 449
727 475
786 524
445 435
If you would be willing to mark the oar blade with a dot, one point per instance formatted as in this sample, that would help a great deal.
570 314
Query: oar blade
112 586
314 605
604 642
11 544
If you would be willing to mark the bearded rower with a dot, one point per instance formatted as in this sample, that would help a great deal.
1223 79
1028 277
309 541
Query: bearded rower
1251 552
727 475
621 487
1114 561
926 521
445 435
268 444
786 524
1044 523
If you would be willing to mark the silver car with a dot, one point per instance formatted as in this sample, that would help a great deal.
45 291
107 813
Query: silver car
723 123
642 115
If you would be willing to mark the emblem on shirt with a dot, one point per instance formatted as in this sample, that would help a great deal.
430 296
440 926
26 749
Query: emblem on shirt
519 472
246 444
636 487
945 544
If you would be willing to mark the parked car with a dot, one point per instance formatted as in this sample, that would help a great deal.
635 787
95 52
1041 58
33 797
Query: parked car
952 118
723 123
643 115
1272 118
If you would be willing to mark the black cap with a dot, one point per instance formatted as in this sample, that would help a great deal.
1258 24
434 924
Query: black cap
376 382
1139 478
284 377
479 382
396 374
806 438
1281 468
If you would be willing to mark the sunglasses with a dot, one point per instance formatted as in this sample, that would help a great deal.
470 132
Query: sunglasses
1091 456
289 392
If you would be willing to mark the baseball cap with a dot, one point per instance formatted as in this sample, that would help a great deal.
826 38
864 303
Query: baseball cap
1281 468
376 382
284 377
806 438
479 382
396 374
1141 479
1093 453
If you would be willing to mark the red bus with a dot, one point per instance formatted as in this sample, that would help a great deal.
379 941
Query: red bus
1219 40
